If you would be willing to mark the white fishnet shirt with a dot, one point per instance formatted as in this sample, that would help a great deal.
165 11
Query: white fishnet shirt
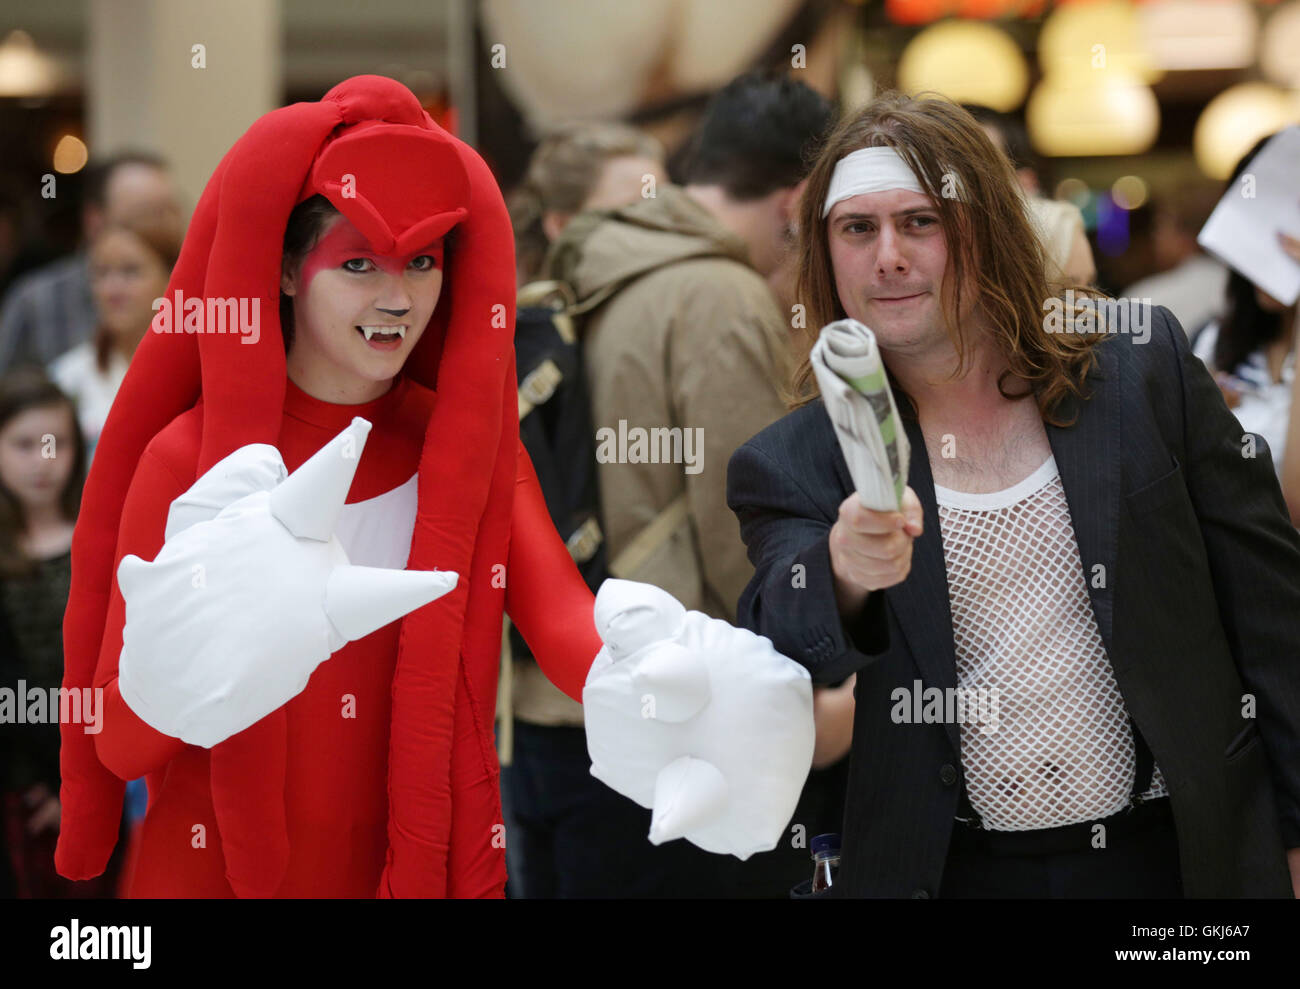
1062 750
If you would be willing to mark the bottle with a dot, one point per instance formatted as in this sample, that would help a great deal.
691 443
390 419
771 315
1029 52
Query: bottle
826 861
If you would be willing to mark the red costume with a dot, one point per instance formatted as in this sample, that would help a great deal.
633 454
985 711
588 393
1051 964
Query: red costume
295 805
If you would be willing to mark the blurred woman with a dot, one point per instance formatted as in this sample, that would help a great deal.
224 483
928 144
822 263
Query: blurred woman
129 268
580 166
1251 352
42 465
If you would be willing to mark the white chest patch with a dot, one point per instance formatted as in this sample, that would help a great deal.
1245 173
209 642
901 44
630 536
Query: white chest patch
377 532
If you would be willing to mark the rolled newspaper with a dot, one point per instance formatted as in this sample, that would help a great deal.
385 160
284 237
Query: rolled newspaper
858 399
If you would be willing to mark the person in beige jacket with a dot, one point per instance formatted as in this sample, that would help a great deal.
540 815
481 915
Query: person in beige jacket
687 356
685 348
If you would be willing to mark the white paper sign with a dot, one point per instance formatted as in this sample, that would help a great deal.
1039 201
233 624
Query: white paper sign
1242 231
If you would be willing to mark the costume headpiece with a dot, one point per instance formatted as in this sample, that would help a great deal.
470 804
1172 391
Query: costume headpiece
373 152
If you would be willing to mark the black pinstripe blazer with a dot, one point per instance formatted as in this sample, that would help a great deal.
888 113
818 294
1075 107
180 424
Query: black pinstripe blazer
1199 606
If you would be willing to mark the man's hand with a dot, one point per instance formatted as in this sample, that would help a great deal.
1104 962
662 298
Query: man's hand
251 592
833 709
1293 862
872 550
705 723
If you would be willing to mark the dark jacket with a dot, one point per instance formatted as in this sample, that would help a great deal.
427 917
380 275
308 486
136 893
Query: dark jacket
1200 605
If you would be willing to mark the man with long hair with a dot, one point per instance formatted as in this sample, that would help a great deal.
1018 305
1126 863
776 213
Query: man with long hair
1088 542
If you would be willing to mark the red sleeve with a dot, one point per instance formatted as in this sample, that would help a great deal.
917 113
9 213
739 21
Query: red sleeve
546 597
125 744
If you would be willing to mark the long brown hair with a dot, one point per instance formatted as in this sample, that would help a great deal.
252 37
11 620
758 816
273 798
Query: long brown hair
23 389
988 232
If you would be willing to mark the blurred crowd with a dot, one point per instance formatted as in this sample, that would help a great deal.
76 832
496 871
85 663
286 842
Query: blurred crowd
645 295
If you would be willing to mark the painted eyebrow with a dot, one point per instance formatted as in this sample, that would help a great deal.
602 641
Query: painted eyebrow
895 215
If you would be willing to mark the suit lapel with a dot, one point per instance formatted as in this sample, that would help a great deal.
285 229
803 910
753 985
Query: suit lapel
1087 455
920 603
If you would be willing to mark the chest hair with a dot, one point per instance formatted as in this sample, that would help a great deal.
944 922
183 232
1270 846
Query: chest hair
983 456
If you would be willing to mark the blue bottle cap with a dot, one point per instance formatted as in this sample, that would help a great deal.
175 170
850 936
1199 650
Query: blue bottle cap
826 843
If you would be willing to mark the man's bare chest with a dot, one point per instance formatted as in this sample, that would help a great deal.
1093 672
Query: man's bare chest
980 457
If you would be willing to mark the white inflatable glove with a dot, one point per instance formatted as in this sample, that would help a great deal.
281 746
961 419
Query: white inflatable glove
251 592
705 723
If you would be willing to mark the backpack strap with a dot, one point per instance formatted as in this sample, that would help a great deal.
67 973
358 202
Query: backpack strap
538 386
505 714
556 296
649 539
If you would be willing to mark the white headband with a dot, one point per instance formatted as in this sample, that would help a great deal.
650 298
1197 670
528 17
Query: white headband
870 170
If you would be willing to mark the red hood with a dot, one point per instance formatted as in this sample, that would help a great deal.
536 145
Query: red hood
371 149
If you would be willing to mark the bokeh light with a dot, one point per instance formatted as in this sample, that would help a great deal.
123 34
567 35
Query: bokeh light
70 154
1237 118
968 62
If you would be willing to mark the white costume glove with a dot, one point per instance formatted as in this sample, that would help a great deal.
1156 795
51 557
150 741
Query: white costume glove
251 592
705 723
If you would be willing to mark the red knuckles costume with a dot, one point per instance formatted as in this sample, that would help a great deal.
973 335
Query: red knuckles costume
190 399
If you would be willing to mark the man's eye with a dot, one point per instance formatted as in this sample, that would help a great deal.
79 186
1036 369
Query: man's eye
425 262
858 227
924 221
358 264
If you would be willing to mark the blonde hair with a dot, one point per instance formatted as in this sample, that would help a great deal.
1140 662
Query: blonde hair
562 174
989 233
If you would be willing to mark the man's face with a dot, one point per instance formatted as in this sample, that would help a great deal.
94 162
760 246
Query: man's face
889 254
768 235
135 192
343 288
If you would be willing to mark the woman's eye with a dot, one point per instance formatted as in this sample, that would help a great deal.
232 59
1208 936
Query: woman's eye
425 262
358 264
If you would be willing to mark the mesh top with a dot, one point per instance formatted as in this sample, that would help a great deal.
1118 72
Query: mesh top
1061 749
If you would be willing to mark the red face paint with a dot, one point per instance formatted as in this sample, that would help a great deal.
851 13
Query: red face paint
344 242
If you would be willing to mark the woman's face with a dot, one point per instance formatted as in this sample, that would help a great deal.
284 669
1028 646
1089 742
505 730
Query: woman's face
37 450
125 278
357 314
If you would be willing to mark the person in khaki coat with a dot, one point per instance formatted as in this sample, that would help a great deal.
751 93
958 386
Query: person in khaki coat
687 355
692 344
